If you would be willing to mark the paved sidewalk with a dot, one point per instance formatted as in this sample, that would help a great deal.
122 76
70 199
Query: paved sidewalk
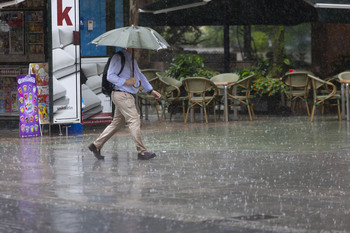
276 174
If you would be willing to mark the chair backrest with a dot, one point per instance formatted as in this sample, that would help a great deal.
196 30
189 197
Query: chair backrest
197 84
155 82
150 73
344 75
245 82
317 83
296 79
168 80
225 77
168 84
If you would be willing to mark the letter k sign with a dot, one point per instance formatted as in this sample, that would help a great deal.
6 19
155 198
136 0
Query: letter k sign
63 15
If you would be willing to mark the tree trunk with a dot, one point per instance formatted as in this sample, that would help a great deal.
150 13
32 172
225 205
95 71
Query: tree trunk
134 14
142 56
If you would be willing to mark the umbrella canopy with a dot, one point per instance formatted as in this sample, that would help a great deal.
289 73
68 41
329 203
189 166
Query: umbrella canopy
5 3
132 37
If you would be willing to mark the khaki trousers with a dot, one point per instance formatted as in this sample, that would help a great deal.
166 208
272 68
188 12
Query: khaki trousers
125 112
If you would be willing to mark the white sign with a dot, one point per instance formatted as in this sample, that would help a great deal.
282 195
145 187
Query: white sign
66 61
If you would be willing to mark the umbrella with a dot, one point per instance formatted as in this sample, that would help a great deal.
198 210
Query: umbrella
5 3
132 37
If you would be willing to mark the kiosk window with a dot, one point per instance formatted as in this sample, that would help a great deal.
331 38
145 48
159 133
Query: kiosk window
11 32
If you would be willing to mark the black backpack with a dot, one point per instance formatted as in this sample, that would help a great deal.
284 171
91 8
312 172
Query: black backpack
107 87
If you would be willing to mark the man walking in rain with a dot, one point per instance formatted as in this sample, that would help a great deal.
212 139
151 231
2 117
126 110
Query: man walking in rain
125 87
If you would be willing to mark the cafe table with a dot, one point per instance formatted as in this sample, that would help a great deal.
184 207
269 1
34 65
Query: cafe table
225 85
345 98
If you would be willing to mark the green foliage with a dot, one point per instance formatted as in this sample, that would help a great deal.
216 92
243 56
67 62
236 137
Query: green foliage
212 36
185 65
267 85
261 41
266 67
206 73
183 35
244 73
267 81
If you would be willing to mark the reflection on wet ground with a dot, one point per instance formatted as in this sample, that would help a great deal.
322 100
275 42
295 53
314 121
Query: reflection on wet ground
281 174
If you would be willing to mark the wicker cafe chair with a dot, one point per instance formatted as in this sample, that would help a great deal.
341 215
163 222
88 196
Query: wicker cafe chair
146 99
335 99
150 74
298 88
225 77
201 92
319 97
170 90
243 93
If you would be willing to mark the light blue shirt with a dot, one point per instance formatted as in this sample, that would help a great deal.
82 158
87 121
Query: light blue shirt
119 80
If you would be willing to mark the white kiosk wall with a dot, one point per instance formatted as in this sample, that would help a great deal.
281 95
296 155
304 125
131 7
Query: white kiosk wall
65 61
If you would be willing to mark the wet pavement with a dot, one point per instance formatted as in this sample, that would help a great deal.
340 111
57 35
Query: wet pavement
276 174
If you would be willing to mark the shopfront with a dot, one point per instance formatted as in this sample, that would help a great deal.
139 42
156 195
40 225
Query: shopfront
51 39
22 41
96 17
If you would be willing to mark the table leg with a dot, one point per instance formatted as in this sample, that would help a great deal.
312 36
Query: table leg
192 113
225 99
347 102
342 101
146 112
236 105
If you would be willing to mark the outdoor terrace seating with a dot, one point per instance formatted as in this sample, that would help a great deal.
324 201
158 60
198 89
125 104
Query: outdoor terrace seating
298 88
201 92
146 99
242 94
321 97
222 81
170 89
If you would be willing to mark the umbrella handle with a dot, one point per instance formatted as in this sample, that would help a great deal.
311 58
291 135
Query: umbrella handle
136 86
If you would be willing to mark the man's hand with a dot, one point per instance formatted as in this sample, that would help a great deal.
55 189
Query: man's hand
131 81
156 94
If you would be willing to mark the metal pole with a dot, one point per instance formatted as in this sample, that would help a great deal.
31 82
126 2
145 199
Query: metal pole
236 104
347 102
192 112
226 105
342 101
226 37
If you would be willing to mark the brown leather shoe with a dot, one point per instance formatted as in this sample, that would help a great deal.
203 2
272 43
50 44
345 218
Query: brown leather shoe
146 156
96 152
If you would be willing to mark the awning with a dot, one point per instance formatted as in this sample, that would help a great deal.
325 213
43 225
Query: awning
5 3
331 11
175 6
225 13
239 12
243 12
334 4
